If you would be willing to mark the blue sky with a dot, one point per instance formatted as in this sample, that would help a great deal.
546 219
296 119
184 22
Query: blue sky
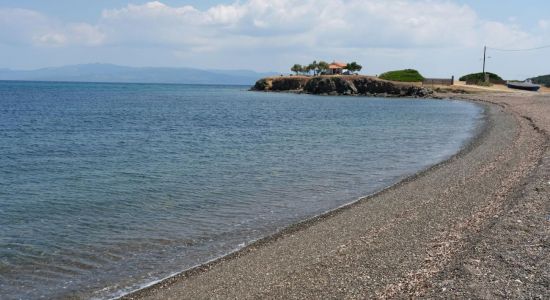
438 37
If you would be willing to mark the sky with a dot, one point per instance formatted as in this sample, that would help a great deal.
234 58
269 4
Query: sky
440 38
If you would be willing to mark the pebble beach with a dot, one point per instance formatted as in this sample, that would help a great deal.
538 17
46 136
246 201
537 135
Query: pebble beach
474 226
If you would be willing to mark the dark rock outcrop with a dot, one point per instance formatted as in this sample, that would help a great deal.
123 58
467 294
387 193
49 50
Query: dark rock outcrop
294 83
330 85
341 85
263 84
289 84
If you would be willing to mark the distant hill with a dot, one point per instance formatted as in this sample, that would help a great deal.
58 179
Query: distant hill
545 80
407 75
115 73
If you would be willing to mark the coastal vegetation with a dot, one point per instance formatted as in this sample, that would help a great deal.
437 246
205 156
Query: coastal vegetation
407 75
477 78
315 67
322 68
354 67
545 80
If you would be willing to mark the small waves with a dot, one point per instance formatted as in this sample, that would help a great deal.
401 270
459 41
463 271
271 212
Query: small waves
106 187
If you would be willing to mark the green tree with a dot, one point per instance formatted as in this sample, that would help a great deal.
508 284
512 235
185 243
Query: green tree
297 68
313 67
354 67
307 70
322 66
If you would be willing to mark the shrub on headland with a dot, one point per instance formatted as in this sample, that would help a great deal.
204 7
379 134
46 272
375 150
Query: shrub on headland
479 77
545 79
407 75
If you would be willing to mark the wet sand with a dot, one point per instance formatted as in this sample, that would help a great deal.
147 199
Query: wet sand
475 226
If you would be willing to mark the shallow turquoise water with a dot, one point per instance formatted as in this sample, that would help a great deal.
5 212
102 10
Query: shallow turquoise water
106 187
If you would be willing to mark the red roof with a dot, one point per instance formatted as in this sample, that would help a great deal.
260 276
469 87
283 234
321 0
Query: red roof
337 65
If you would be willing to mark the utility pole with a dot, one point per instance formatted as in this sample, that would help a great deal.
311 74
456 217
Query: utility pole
485 77
484 55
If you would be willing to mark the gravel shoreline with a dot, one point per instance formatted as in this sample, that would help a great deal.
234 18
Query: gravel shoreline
449 231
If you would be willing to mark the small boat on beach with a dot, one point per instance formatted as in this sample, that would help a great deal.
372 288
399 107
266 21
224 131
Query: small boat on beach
526 85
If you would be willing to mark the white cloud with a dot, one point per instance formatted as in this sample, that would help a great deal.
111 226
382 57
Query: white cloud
50 39
82 33
22 26
308 25
505 36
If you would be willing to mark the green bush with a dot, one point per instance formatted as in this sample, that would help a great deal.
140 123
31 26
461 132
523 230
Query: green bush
408 75
545 79
478 77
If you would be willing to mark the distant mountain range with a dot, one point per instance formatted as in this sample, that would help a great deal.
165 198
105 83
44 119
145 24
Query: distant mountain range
115 73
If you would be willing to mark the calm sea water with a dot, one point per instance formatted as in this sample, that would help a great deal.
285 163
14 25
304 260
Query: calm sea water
106 187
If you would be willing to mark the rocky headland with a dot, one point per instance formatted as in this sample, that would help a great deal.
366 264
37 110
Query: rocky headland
341 85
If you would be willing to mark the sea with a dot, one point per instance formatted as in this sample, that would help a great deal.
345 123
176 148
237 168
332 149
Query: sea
106 188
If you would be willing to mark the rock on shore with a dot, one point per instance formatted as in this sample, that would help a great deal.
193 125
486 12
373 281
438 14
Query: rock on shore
340 85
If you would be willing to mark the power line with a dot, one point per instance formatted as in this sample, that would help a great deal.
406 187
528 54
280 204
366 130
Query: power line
517 50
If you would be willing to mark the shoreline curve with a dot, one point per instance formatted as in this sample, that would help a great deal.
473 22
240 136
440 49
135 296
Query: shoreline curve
166 288
479 131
